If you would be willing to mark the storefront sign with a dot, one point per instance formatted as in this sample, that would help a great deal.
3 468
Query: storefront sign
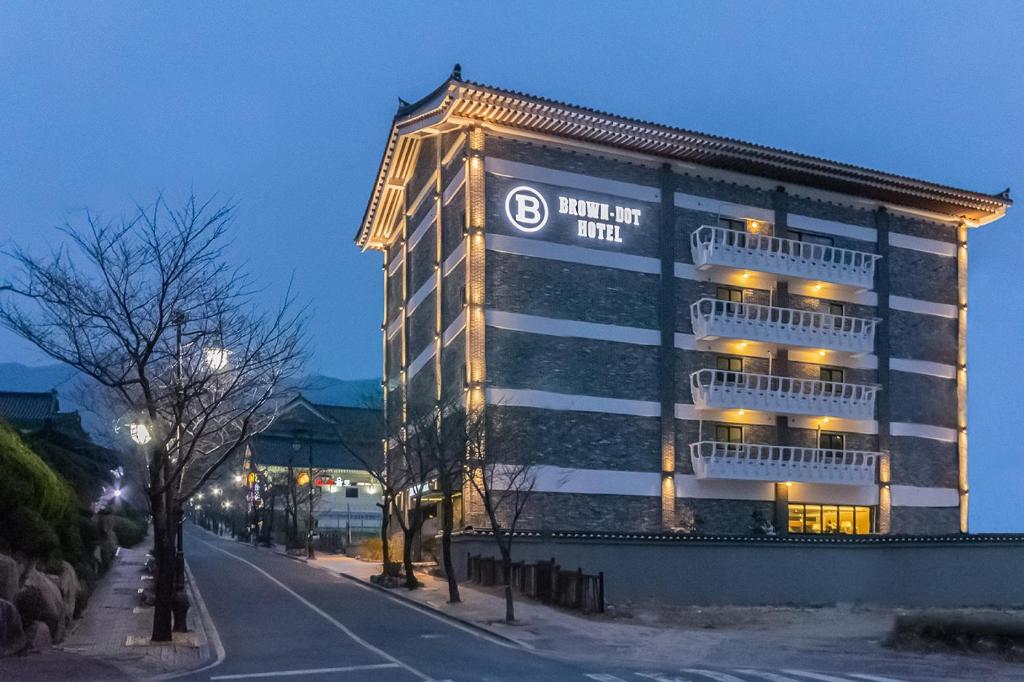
527 210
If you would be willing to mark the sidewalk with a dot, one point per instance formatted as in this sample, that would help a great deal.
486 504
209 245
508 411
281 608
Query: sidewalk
836 638
116 628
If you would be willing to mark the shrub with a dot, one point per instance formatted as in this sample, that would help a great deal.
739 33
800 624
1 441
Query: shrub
28 532
370 549
129 531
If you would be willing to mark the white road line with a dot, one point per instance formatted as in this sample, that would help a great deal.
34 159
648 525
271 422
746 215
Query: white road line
658 677
603 677
817 676
427 612
873 678
313 607
310 671
771 677
714 675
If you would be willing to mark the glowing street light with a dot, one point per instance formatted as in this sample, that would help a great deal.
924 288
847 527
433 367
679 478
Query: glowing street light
238 478
216 358
140 433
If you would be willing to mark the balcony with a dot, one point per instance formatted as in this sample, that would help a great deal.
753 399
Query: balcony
718 246
718 389
713 318
754 462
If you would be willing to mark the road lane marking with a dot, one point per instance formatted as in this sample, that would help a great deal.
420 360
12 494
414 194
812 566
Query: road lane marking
817 676
427 612
604 677
326 616
873 678
714 675
310 671
771 677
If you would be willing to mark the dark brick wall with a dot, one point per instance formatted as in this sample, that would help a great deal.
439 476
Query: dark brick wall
826 210
422 260
923 462
925 520
422 391
926 276
453 367
571 365
549 288
927 229
584 440
572 160
570 511
452 295
923 399
726 517
923 337
422 324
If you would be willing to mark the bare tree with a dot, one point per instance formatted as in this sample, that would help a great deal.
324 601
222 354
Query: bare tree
448 441
148 307
503 479
409 469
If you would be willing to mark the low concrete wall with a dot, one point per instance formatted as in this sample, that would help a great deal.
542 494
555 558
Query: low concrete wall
887 570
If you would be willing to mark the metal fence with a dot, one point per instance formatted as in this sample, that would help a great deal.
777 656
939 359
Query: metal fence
545 581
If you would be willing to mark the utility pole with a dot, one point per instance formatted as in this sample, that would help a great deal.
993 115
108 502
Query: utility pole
309 529
180 604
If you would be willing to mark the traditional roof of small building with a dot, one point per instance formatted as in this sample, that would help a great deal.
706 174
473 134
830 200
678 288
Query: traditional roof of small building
328 433
31 411
457 102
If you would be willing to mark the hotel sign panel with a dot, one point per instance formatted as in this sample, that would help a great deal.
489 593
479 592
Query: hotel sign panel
570 215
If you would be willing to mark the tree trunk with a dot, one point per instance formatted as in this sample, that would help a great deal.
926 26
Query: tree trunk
409 533
163 553
446 549
506 564
385 525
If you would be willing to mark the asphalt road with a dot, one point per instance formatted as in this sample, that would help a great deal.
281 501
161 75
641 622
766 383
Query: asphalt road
279 619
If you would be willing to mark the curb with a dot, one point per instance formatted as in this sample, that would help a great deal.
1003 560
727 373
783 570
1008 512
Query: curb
443 614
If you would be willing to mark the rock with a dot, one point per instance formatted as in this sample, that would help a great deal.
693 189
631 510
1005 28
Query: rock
39 599
69 586
39 636
12 636
10 576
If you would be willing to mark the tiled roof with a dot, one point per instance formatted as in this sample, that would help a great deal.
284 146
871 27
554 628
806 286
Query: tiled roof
465 101
19 406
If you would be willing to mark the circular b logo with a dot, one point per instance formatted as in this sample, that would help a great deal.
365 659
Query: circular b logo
526 209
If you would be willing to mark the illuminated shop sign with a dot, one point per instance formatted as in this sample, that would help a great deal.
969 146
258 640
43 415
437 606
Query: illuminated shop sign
527 210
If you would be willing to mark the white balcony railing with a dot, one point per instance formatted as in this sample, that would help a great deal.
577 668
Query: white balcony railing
755 462
719 389
713 318
805 260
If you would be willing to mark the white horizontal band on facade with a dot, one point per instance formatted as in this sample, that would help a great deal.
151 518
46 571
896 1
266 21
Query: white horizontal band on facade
934 369
454 186
833 292
549 400
454 258
831 227
728 209
421 294
914 305
906 241
549 326
455 328
396 263
520 246
913 496
565 480
421 360
943 433
421 229
550 176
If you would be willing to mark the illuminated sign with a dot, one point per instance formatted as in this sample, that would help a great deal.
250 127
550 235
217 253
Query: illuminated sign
527 211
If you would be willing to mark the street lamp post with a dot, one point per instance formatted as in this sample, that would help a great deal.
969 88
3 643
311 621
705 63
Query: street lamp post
296 446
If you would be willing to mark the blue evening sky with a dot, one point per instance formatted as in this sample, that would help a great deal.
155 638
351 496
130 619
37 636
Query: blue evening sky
285 108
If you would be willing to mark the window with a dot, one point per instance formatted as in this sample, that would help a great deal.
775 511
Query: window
809 238
729 294
831 374
836 309
352 492
732 224
727 433
727 369
815 519
831 441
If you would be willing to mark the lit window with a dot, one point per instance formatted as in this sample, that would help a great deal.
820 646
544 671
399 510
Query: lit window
728 367
809 238
831 375
831 441
816 519
728 433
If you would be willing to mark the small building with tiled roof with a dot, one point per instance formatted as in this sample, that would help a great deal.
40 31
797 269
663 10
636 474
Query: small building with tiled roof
33 411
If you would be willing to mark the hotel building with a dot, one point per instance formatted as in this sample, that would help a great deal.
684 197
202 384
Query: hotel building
691 332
